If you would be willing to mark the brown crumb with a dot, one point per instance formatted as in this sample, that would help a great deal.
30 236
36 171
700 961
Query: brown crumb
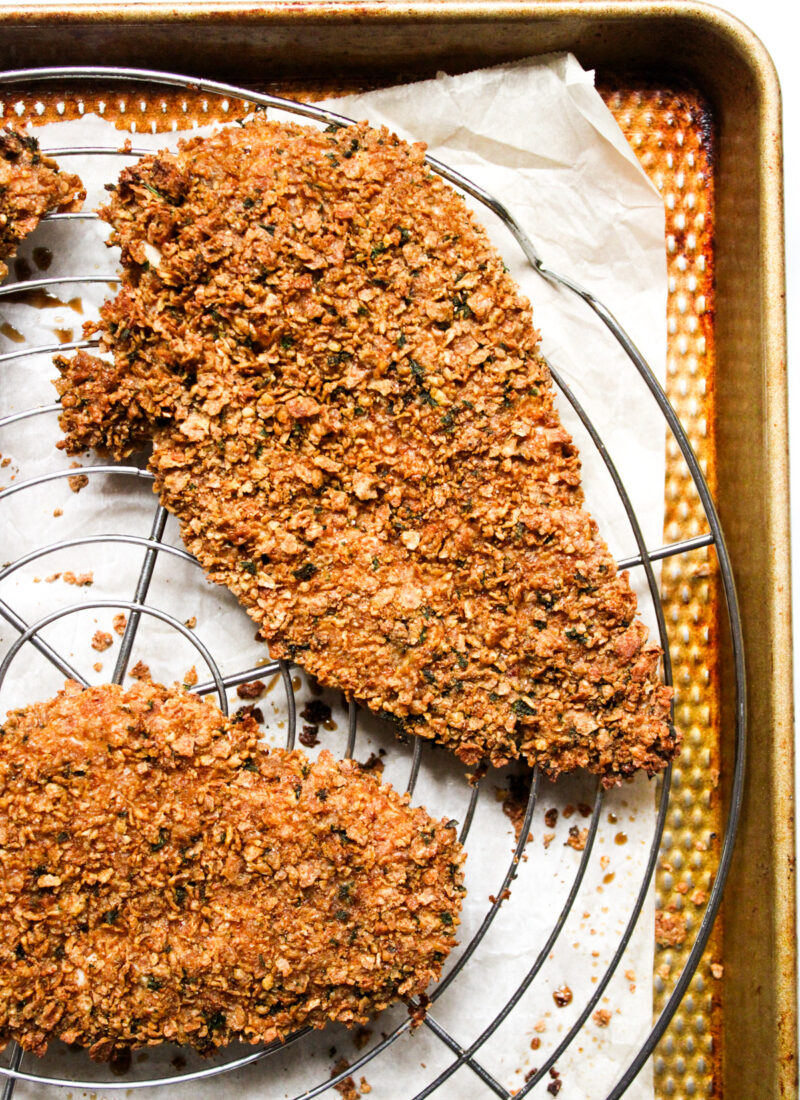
531 1073
252 690
698 897
101 640
670 928
630 975
80 580
536 1042
548 839
682 887
515 802
316 712
190 677
362 1037
308 736
554 1088
374 762
663 971
568 811
717 970
140 671
98 666
602 1017
346 1088
119 622
77 482
551 817
191 623
562 996
584 809
577 838
58 512
52 577
540 1026
365 1086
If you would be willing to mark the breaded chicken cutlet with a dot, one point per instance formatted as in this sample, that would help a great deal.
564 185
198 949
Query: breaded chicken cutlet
31 186
352 421
165 879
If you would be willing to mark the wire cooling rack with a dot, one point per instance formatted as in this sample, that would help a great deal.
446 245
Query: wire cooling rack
139 608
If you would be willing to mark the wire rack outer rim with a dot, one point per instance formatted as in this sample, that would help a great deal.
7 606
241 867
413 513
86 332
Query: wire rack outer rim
726 572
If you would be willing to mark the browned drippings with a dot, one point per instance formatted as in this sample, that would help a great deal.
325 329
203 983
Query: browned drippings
329 725
621 838
612 819
22 269
64 335
42 257
43 299
296 682
11 333
608 878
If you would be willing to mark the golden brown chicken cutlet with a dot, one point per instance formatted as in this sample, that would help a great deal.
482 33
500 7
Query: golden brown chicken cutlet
31 185
166 879
352 421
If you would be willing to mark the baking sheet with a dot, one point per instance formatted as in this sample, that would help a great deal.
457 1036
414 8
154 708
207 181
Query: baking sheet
594 215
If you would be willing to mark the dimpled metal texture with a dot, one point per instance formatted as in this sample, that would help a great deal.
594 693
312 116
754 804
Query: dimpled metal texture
672 136
670 132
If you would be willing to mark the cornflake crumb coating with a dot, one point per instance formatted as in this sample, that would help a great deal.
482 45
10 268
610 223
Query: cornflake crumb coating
352 421
165 879
31 185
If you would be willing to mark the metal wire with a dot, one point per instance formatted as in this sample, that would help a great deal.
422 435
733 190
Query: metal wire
154 547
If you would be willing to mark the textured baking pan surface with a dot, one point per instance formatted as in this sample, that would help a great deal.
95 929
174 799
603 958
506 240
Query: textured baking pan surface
672 132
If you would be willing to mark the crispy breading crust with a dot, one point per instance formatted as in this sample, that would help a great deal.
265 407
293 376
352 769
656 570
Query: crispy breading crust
351 419
165 879
30 186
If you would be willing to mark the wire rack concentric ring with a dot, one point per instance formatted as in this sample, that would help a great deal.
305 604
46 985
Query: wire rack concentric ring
137 607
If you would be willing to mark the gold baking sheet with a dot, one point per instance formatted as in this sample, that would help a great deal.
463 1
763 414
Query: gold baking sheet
737 384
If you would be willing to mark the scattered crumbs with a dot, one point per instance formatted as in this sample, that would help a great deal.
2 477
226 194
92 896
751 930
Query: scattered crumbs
190 677
37 580
308 736
346 1088
252 690
531 1073
6 462
699 897
562 996
551 817
554 1088
568 811
77 482
630 975
364 1085
191 623
515 802
670 928
536 1042
81 580
663 971
374 762
119 622
362 1037
548 839
101 640
52 577
682 887
140 671
98 666
58 512
316 712
540 1026
717 970
577 838
506 894
602 1017
584 809
604 862
256 713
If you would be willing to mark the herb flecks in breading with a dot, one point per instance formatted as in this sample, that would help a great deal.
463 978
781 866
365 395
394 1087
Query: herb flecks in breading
351 419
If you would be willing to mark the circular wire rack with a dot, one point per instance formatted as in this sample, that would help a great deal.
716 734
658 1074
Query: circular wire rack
153 546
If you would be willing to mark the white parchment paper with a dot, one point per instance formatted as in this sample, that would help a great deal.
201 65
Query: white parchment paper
538 137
